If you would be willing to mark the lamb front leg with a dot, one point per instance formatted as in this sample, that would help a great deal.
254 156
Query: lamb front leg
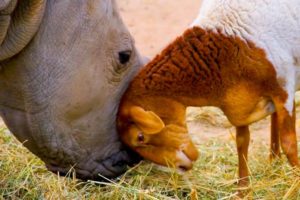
275 146
275 138
287 133
242 142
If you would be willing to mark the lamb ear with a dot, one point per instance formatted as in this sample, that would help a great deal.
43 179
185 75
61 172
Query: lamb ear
147 121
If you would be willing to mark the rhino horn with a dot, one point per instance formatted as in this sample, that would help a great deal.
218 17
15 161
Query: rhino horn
19 21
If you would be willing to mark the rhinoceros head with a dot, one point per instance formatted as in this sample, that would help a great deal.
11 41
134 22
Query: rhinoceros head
64 66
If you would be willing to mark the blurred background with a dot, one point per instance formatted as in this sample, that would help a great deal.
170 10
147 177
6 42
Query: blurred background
155 23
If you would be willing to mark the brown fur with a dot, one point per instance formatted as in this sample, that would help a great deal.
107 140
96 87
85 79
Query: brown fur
206 68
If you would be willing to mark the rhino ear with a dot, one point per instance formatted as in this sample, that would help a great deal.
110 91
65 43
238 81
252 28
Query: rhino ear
6 4
147 121
19 21
6 9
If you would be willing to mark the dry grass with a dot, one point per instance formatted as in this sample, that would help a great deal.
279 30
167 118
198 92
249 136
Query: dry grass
23 176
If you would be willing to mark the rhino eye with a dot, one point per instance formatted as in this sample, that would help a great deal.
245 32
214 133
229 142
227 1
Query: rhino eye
124 56
141 137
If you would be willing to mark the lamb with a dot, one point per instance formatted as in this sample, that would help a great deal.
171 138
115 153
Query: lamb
241 56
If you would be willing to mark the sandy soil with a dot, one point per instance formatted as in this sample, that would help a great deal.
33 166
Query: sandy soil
155 23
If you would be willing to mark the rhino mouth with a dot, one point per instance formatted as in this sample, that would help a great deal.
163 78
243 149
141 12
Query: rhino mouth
98 170
65 156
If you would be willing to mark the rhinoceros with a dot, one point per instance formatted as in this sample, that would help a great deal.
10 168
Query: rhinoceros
64 65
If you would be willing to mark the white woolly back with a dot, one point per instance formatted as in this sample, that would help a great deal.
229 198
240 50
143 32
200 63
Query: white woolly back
273 25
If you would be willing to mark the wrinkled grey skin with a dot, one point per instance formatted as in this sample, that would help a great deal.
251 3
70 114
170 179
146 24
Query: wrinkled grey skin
61 80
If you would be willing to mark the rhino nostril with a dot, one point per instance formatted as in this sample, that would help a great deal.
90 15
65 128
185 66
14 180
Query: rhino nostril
120 163
125 157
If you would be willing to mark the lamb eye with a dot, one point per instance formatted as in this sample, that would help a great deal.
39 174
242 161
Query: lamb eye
124 56
141 137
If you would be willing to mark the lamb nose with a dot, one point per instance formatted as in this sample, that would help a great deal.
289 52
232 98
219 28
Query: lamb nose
185 167
183 162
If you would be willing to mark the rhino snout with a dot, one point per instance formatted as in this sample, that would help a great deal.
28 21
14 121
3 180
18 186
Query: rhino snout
100 170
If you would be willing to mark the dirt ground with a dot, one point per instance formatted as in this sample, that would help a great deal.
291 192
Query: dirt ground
155 23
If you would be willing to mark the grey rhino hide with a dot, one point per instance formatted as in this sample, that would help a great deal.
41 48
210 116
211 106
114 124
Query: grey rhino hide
61 80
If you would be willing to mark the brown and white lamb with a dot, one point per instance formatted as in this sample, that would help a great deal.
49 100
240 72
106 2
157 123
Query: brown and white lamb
241 56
